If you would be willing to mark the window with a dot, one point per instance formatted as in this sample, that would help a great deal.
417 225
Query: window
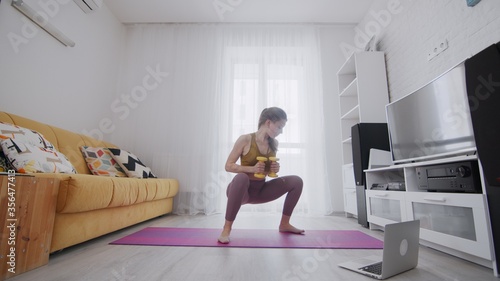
257 86
278 67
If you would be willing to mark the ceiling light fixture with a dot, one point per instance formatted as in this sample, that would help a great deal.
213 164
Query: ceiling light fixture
42 22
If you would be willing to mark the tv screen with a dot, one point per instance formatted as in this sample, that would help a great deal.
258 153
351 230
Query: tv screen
433 121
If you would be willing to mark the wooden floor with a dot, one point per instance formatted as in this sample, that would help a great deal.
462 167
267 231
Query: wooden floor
96 260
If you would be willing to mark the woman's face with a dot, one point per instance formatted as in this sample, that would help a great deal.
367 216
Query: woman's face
276 128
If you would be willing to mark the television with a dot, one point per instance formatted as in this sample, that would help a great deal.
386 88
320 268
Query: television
433 121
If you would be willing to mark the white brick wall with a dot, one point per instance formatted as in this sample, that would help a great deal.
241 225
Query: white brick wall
410 29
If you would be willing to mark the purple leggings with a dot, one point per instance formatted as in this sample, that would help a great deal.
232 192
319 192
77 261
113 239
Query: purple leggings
242 191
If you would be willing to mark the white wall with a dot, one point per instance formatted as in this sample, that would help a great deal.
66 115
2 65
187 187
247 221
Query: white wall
42 79
332 38
408 30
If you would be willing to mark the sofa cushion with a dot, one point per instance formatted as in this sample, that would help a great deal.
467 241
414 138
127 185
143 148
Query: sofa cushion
83 192
69 143
131 164
100 162
27 158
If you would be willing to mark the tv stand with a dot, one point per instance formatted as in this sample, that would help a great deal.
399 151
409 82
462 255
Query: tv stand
453 222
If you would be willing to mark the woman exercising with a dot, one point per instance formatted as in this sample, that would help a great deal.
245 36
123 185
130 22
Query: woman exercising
245 188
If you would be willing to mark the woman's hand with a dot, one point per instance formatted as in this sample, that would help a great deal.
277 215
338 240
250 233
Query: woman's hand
260 167
275 167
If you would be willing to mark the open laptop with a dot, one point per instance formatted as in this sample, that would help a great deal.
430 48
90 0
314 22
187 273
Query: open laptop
401 244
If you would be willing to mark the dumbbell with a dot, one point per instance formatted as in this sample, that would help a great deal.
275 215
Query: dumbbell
273 174
261 160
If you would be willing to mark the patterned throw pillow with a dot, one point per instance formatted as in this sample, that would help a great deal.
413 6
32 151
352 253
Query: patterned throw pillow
100 162
24 135
132 166
27 158
4 163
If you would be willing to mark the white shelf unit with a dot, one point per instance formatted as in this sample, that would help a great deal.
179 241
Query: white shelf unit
349 190
455 223
363 96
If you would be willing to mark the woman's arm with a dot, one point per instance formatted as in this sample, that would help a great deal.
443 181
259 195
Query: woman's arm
238 149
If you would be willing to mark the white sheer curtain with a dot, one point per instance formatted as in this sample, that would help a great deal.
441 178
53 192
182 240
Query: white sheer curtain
193 89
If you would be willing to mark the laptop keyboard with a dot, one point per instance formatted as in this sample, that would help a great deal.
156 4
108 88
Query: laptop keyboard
375 268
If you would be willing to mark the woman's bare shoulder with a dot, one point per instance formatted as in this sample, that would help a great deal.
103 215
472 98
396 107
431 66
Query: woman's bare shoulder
242 145
244 138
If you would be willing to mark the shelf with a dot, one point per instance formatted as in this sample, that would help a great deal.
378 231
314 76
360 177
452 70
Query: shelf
352 114
425 163
347 141
452 222
349 66
388 168
351 90
441 161
363 95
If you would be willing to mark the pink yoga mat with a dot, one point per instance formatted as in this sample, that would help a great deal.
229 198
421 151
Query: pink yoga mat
251 238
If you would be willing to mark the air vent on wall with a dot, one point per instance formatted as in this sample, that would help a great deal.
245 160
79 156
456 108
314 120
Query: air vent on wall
89 6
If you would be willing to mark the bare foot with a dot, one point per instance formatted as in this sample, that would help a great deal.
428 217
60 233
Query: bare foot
290 228
223 239
224 236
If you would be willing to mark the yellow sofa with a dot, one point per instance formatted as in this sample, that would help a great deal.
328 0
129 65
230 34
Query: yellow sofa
89 206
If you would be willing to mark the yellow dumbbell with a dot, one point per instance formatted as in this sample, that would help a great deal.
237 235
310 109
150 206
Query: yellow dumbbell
261 160
273 174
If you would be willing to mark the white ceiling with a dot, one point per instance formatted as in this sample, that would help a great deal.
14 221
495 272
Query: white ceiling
239 11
